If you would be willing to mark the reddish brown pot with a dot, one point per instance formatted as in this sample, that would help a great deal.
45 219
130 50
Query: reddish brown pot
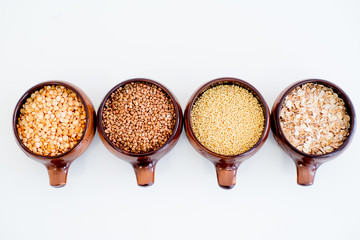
58 166
226 166
143 164
307 164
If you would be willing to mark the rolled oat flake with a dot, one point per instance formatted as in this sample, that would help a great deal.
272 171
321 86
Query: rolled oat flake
314 119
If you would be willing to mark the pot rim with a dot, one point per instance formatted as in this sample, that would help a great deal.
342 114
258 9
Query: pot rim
241 83
350 109
178 120
27 94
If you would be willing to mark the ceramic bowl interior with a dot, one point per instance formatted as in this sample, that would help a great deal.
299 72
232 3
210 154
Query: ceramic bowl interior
23 99
245 85
348 105
178 119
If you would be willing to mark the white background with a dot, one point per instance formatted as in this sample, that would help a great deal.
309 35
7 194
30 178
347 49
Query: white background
97 44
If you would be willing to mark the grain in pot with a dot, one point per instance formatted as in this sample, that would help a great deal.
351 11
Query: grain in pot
51 121
314 119
227 119
139 117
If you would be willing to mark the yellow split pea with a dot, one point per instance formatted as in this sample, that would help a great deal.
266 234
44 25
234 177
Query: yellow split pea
51 121
227 119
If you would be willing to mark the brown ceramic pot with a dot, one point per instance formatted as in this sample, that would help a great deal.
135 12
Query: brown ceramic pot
58 166
307 164
226 166
144 163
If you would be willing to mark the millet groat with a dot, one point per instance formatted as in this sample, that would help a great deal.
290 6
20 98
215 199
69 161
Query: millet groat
227 119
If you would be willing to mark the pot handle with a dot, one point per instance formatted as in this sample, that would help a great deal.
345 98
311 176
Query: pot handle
306 173
145 173
57 175
226 175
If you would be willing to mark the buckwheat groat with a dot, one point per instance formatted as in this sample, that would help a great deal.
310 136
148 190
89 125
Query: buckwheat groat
314 119
227 119
51 121
139 117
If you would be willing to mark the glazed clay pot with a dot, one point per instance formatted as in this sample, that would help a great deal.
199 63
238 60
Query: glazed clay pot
226 166
144 163
307 164
58 166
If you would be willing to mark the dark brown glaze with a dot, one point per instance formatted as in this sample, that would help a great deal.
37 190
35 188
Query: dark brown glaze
307 164
226 166
144 163
58 166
